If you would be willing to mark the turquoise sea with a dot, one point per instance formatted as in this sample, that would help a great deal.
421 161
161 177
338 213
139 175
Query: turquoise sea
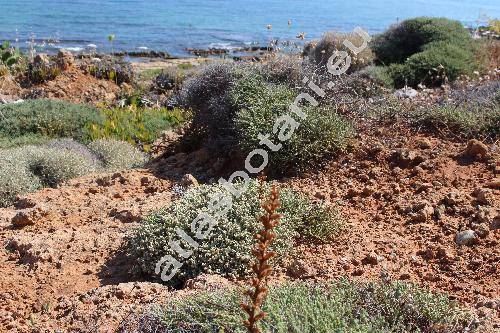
173 25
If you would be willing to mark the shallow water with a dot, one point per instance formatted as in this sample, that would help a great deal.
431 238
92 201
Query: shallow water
173 25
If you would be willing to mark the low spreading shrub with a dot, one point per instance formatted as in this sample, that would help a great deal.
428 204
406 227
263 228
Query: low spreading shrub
226 250
322 133
29 168
320 51
380 74
24 140
339 306
117 155
135 125
50 118
462 121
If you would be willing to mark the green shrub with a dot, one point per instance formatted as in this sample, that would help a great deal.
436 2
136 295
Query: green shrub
50 118
464 122
436 64
135 125
29 168
321 134
117 155
410 36
39 73
9 56
226 250
380 74
426 50
339 306
24 140
319 52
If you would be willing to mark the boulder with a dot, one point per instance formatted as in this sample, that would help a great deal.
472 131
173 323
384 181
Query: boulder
65 59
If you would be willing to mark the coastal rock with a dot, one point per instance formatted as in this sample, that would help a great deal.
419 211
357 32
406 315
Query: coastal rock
65 59
41 59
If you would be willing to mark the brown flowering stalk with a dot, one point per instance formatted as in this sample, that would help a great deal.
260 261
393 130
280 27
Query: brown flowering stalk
262 269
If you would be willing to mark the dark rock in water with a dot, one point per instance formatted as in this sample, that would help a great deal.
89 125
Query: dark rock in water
206 52
145 54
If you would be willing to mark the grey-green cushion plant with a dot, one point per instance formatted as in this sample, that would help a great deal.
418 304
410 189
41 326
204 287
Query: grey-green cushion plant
227 248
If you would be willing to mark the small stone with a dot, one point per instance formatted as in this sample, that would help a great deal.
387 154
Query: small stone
475 148
452 199
405 158
29 216
495 224
406 92
189 180
483 196
370 259
41 59
127 215
424 143
467 237
300 269
439 211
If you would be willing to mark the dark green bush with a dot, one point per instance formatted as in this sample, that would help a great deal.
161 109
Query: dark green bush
322 133
50 118
426 50
408 37
436 64
226 250
340 306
